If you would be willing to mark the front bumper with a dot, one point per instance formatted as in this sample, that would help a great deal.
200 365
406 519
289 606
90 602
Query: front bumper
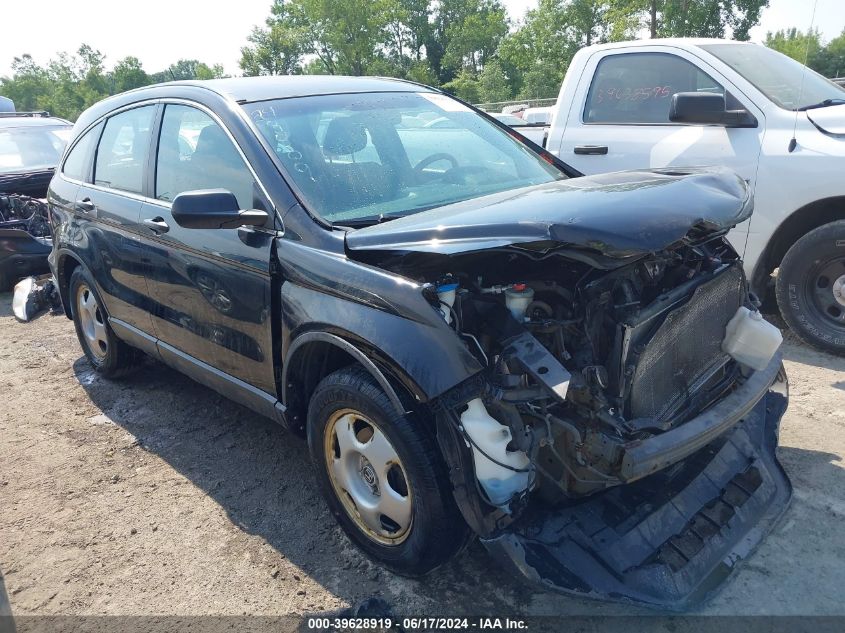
668 539
22 255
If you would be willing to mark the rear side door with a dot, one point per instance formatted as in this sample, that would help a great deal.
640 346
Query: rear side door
107 208
619 118
210 289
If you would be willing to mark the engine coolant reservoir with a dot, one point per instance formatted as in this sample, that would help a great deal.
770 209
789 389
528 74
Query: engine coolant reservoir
492 437
750 339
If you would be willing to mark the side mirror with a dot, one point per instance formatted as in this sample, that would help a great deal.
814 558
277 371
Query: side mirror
213 209
707 108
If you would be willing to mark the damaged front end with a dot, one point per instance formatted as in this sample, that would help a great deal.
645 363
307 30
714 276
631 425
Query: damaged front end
620 442
25 237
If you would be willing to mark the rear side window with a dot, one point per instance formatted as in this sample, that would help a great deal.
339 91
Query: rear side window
78 161
638 87
122 150
194 152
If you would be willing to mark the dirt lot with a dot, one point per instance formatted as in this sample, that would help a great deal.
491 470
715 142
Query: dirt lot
158 496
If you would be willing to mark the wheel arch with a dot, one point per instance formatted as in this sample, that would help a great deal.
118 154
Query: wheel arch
66 263
796 225
314 355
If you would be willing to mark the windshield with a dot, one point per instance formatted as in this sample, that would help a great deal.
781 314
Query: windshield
371 156
31 148
777 76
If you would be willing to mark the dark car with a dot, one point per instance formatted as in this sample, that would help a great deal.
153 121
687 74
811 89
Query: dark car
474 339
31 144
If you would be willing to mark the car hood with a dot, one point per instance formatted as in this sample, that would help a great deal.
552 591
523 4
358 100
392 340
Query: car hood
830 120
29 183
619 215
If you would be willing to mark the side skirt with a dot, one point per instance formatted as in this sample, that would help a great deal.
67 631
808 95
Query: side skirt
225 384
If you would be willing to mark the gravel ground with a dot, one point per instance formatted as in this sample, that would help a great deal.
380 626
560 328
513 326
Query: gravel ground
155 495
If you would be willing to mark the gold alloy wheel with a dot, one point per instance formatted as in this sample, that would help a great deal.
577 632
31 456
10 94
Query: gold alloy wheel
92 321
368 477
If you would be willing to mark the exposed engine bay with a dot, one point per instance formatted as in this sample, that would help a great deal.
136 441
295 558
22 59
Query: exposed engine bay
584 362
25 238
23 212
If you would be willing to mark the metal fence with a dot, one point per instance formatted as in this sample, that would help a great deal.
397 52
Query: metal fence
839 80
530 103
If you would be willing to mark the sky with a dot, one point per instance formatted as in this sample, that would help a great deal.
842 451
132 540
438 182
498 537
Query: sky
164 31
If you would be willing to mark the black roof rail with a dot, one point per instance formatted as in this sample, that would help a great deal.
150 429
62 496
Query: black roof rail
38 113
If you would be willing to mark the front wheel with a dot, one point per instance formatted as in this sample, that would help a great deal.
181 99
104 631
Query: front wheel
811 287
109 356
382 475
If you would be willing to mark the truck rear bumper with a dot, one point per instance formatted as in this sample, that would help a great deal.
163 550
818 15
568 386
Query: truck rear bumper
669 539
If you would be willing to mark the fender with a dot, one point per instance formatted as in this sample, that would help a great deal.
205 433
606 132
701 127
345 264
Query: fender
57 260
383 316
349 348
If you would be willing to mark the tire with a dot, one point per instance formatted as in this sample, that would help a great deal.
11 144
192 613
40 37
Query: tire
426 528
109 356
810 288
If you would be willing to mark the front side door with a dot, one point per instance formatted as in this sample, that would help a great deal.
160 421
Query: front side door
620 117
210 288
108 209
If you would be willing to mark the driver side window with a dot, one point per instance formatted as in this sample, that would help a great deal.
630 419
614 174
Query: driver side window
194 152
638 87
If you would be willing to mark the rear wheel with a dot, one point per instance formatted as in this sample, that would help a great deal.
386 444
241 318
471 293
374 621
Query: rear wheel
109 356
811 287
382 475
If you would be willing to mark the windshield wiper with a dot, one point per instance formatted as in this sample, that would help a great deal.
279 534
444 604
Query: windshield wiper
369 220
821 104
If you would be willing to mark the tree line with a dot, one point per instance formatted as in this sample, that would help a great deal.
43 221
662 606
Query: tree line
827 59
470 48
70 83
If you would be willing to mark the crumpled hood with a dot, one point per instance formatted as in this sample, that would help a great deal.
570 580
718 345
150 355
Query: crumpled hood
830 120
619 215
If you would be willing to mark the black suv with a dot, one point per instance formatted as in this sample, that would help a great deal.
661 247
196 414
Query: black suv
474 339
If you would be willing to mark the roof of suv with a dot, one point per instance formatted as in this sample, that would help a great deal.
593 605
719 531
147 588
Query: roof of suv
285 86
246 89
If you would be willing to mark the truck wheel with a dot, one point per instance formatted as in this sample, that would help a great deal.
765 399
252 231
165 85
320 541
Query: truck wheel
811 287
382 475
109 356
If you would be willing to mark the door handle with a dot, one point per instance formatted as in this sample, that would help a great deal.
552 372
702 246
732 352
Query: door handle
157 225
86 206
591 149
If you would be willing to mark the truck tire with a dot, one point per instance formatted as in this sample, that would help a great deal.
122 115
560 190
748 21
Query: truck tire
382 475
109 356
811 287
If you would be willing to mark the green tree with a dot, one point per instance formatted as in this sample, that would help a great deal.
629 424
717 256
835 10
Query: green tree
346 37
464 86
832 62
187 69
493 84
128 74
804 47
276 49
68 84
537 55
701 18
473 38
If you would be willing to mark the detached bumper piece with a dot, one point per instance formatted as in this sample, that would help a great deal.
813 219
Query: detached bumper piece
667 540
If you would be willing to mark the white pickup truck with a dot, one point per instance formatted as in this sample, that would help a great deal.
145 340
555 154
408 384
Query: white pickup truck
688 102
